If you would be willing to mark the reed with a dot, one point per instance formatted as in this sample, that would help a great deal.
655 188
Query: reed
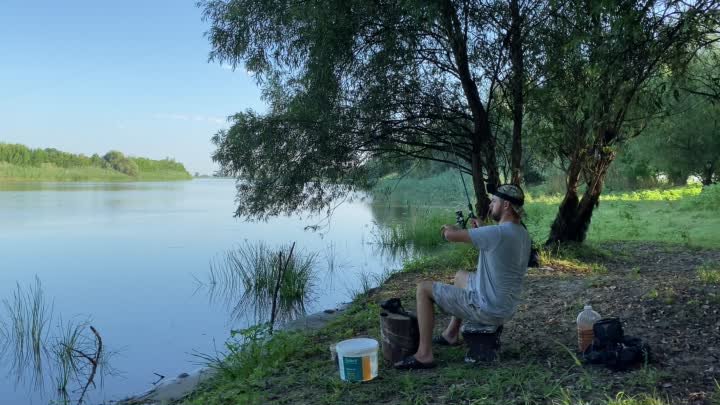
247 278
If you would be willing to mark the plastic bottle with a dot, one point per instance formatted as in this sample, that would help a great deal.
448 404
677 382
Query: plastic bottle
585 321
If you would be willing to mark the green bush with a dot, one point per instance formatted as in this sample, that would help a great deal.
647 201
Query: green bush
708 199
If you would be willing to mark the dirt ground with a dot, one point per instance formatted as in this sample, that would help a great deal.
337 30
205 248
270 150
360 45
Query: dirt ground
655 291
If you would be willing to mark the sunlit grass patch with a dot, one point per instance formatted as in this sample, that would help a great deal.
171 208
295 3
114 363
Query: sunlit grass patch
709 273
574 258
667 295
641 399
670 194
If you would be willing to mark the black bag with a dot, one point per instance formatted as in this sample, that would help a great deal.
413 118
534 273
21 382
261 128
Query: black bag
394 306
615 350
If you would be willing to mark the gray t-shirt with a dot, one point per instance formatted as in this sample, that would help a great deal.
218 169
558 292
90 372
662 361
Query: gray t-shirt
502 263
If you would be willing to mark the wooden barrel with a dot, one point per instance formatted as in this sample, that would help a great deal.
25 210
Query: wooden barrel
399 335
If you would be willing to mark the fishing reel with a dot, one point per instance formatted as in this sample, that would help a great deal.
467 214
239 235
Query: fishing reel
460 219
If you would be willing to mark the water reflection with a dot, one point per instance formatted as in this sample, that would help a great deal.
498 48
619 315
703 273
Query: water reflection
87 186
132 250
274 285
72 355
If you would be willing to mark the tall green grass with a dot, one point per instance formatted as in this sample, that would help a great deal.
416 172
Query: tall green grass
50 172
709 273
445 190
246 278
33 352
420 229
688 215
25 332
442 190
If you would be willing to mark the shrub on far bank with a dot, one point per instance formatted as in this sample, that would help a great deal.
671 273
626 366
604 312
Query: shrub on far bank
20 163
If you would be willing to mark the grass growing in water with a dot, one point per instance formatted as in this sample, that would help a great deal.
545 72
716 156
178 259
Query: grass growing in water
246 277
75 359
422 229
26 332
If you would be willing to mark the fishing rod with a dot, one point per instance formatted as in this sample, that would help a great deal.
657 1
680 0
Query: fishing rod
533 260
460 220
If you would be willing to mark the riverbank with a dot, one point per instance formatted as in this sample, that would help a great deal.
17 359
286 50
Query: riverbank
667 295
178 388
21 163
652 259
51 173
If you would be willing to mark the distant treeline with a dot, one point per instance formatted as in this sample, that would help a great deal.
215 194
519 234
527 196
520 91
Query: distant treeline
51 160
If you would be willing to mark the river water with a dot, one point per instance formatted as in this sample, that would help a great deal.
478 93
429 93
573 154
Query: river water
128 256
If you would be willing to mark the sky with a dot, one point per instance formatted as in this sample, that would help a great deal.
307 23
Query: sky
93 76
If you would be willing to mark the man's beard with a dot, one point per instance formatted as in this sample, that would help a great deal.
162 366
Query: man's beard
495 216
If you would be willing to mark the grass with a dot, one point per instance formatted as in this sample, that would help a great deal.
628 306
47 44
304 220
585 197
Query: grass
709 273
442 190
34 354
50 172
295 367
247 278
688 216
25 332
421 229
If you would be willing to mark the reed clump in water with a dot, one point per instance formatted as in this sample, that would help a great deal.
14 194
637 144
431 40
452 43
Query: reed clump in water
275 285
74 358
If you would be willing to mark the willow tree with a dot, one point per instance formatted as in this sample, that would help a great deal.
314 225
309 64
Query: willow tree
602 59
349 80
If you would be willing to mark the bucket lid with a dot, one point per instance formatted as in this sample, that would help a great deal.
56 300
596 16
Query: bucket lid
357 346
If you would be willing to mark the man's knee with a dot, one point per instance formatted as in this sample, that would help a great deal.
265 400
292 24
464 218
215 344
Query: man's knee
425 288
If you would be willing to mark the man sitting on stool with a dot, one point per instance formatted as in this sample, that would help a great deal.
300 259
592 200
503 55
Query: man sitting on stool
489 295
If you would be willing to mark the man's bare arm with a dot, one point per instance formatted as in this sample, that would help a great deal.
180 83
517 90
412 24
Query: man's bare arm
452 233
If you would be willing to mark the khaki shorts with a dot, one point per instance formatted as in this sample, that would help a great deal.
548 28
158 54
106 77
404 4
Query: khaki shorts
459 303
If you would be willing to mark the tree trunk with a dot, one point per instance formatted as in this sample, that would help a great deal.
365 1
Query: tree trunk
516 58
707 177
481 197
573 219
483 143
565 218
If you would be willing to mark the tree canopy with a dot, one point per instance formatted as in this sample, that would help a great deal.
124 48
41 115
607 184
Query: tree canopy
445 80
346 81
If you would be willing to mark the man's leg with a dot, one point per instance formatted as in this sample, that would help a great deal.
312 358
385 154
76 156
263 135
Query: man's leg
426 321
453 329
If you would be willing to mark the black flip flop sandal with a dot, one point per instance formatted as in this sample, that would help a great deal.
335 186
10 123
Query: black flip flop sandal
411 363
441 341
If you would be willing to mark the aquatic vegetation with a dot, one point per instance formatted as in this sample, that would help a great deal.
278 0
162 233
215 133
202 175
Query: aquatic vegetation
273 285
75 358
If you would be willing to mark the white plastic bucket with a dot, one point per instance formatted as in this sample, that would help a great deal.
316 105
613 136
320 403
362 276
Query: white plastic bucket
357 359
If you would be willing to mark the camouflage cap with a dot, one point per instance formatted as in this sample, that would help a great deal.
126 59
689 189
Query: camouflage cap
512 194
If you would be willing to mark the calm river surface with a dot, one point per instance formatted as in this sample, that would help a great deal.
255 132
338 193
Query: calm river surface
127 255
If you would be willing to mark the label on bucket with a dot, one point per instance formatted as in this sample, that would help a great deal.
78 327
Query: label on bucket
357 368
